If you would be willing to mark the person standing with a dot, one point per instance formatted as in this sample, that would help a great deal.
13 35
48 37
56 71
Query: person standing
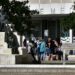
42 50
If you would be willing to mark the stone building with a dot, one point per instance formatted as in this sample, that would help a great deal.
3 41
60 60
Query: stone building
47 22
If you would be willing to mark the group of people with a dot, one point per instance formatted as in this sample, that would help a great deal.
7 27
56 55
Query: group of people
42 50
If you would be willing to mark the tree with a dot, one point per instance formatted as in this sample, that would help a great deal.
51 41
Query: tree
68 21
18 14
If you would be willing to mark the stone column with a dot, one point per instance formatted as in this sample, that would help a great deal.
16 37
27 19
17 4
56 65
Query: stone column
70 35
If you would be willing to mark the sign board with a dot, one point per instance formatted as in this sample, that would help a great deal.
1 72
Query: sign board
53 8
45 32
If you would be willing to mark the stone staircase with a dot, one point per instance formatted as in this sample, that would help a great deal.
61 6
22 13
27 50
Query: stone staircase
15 59
37 71
69 50
6 56
68 46
3 45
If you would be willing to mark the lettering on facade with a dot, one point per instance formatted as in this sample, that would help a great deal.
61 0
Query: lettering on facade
62 9
52 10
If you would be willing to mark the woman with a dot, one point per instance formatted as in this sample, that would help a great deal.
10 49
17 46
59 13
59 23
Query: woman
42 50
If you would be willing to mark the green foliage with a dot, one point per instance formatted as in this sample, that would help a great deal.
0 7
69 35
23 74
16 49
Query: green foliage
68 21
4 2
34 12
18 14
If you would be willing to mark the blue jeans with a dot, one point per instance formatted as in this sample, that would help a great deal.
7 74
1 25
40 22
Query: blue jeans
42 56
48 51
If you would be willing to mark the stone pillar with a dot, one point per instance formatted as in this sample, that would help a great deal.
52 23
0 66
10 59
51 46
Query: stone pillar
70 35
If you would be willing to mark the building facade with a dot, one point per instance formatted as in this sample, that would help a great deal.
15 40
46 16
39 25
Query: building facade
46 23
52 6
50 11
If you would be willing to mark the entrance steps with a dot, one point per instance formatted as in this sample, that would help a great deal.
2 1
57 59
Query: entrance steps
13 59
69 50
71 57
68 46
6 56
37 71
5 51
